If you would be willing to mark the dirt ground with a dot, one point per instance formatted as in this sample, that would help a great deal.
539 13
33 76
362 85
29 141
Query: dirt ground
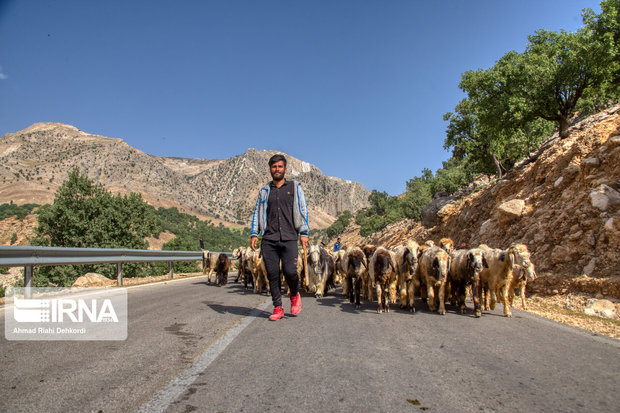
567 308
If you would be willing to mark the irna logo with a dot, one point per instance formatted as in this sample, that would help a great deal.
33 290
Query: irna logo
77 310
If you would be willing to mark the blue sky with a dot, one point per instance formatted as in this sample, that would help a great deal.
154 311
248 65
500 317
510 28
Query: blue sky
358 88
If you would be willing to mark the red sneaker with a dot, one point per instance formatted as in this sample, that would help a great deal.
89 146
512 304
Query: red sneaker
278 313
296 304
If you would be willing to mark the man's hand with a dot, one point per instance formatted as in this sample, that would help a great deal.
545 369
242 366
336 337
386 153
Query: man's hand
253 242
304 242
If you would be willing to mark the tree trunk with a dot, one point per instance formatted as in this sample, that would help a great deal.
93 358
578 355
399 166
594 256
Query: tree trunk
498 167
563 127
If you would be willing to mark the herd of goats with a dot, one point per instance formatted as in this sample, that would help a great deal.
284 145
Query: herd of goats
435 273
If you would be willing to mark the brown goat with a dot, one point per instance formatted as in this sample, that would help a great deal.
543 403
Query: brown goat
340 273
447 244
221 270
356 270
499 276
367 287
519 281
434 267
382 270
465 270
406 258
208 263
258 271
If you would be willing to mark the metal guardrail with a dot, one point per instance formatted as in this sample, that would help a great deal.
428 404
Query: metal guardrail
37 256
29 257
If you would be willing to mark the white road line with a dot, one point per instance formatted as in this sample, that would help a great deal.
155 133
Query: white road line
164 397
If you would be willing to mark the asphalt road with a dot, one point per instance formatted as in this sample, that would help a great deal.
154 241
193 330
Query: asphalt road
195 347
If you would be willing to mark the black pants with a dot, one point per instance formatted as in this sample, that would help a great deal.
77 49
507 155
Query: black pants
273 252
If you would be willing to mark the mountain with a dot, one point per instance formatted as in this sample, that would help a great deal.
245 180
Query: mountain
35 161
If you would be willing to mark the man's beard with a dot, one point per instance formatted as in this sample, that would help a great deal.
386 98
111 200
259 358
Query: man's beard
277 177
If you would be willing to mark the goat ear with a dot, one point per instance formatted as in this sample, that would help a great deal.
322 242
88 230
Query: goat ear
511 256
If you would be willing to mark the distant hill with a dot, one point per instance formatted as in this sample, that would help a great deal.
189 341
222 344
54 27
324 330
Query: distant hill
35 161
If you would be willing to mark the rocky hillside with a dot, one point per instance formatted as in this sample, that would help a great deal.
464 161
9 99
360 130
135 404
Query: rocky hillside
563 202
35 161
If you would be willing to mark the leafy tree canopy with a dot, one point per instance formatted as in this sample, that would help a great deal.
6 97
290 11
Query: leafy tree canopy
343 220
13 210
86 215
511 107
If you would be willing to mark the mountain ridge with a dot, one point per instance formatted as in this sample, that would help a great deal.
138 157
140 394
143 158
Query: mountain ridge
37 159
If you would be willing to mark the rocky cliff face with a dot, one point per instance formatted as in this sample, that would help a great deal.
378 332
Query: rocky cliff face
563 203
35 161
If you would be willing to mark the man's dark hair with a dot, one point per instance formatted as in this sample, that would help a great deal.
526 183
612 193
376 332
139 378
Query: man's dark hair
277 158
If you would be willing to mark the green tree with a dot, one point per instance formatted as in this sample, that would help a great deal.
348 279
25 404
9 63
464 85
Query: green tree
383 210
85 215
417 196
494 126
19 211
511 107
605 28
560 68
452 176
343 220
178 244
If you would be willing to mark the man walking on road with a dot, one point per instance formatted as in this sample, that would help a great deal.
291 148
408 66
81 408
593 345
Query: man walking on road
280 216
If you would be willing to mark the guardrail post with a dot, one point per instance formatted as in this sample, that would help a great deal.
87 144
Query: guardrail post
170 270
28 281
204 262
119 273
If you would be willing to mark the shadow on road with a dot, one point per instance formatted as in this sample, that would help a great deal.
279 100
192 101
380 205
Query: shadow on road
233 309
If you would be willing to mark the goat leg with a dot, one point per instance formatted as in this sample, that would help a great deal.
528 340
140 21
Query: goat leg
379 299
504 298
430 297
442 299
358 285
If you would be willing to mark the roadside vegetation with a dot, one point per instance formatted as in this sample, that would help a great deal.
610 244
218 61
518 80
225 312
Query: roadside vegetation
86 215
18 211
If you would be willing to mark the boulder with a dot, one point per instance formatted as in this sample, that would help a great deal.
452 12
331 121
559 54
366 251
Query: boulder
590 267
486 227
429 212
510 211
603 308
613 141
591 162
92 279
604 198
